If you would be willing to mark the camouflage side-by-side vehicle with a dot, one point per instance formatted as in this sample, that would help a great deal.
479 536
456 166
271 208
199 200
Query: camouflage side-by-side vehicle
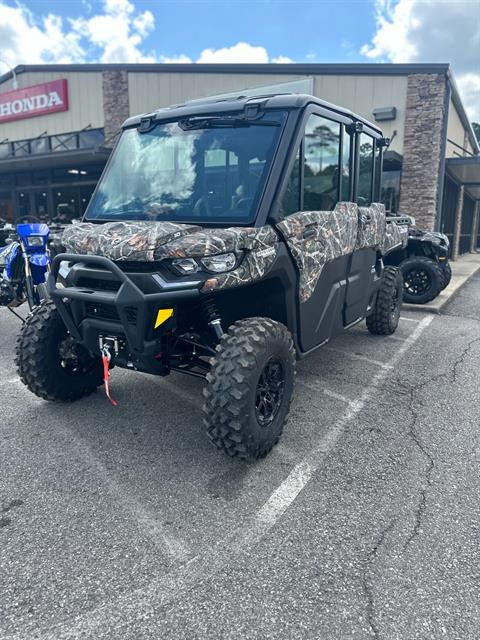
225 240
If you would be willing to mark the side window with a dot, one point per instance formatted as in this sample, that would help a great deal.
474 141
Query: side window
345 164
321 164
291 198
365 172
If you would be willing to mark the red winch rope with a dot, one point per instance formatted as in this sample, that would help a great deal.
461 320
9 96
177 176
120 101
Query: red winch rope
106 378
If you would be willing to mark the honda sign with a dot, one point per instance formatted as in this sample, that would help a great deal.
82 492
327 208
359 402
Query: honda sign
38 100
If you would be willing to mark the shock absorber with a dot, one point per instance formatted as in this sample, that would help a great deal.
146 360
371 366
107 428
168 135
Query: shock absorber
212 317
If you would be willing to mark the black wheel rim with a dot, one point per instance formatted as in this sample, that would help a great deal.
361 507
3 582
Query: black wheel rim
74 359
417 282
269 393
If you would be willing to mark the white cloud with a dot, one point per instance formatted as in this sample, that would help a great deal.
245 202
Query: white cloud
240 52
180 59
429 31
25 40
118 33
282 60
469 87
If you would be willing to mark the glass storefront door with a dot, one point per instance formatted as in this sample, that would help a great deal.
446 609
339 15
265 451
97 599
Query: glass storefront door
6 206
40 205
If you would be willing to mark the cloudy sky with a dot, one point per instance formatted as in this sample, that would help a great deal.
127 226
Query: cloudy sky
35 31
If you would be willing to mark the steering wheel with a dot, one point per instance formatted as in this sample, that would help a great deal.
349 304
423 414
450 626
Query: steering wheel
28 219
244 204
202 206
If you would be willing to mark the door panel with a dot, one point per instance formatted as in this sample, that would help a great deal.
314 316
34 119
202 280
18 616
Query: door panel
321 316
360 282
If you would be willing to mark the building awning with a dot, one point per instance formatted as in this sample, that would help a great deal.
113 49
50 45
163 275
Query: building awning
466 172
55 159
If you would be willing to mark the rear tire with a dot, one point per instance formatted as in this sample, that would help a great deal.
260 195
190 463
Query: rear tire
50 363
385 317
422 278
249 388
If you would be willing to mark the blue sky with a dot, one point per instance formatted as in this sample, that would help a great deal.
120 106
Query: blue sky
303 30
66 31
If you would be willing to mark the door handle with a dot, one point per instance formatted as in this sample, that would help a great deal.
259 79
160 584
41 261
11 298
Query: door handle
309 232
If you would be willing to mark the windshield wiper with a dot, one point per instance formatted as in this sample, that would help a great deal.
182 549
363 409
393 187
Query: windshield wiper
208 122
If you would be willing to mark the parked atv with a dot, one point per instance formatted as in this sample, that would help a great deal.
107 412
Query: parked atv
216 244
424 264
24 263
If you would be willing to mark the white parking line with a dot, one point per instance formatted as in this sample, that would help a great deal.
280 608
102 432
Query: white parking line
410 319
395 338
327 392
357 356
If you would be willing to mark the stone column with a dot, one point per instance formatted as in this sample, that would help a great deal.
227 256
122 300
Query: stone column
425 129
458 222
115 103
473 240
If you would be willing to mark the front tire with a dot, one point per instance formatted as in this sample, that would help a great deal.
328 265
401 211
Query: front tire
50 363
385 316
423 279
249 388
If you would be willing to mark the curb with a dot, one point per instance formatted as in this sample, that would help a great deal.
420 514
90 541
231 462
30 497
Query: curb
436 306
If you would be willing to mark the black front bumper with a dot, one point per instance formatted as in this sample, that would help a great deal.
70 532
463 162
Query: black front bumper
131 311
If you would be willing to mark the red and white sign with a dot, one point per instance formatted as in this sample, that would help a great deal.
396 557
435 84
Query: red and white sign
38 100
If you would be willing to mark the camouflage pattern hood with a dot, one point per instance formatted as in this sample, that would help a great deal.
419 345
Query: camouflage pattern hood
124 240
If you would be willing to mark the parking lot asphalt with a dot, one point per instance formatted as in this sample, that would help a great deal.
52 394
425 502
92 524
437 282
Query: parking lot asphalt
364 522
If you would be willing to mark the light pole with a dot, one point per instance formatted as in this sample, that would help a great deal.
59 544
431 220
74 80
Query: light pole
15 82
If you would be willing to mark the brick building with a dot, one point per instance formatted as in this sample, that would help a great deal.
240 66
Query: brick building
58 126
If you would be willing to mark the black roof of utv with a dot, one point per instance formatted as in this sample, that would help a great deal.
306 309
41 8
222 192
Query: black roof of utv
209 106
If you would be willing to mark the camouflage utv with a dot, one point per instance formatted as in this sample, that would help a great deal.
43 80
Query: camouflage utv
225 240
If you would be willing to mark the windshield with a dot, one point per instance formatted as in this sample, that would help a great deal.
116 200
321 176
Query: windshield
209 169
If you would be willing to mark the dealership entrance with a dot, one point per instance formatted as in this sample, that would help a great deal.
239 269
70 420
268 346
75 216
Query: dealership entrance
52 181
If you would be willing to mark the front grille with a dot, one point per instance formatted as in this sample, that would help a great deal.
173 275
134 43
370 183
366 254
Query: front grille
132 266
103 311
98 285
109 312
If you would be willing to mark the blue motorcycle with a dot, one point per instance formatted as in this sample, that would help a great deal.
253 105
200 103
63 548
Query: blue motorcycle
24 264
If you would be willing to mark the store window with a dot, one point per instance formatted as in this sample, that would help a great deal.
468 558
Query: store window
40 201
85 195
23 205
321 164
390 194
6 206
365 173
66 205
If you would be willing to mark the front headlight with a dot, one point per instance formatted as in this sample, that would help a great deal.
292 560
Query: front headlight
35 241
185 266
219 264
